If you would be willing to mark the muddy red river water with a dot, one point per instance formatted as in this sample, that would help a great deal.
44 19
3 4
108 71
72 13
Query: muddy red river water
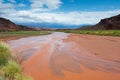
62 56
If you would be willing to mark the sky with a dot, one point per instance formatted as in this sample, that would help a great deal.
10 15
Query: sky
65 12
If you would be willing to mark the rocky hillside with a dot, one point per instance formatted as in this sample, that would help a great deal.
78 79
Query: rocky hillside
111 23
7 25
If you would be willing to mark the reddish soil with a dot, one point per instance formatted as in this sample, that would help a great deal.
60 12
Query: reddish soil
76 57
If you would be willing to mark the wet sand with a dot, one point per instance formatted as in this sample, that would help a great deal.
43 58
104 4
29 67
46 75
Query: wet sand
62 56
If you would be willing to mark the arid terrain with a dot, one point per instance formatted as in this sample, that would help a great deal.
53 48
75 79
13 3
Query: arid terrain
63 56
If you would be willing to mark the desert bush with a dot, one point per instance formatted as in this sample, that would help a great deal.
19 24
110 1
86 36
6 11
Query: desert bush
5 53
10 70
18 58
22 77
1 78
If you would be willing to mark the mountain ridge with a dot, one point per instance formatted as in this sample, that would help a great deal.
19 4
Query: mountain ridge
7 25
112 23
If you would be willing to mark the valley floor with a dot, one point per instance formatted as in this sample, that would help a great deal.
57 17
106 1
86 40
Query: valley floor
62 56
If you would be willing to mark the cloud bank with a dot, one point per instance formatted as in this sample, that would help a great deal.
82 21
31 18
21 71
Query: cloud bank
41 11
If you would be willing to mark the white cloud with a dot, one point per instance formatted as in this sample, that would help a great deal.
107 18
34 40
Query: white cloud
12 1
21 5
37 3
71 18
54 4
1 1
6 8
6 5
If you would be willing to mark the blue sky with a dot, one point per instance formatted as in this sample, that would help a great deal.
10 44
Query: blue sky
90 5
66 12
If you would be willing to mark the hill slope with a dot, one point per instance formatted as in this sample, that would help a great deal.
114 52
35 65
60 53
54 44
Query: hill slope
106 24
7 25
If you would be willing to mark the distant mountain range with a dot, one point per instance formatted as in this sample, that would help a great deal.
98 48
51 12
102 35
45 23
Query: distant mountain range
104 24
111 23
52 25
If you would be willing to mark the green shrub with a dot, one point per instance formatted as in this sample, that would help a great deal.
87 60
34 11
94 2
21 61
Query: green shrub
5 53
22 77
18 58
10 70
1 78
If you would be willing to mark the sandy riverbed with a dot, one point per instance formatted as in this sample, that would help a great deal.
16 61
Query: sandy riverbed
62 56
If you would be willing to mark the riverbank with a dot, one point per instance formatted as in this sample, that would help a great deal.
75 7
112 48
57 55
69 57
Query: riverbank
93 32
62 56
10 35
